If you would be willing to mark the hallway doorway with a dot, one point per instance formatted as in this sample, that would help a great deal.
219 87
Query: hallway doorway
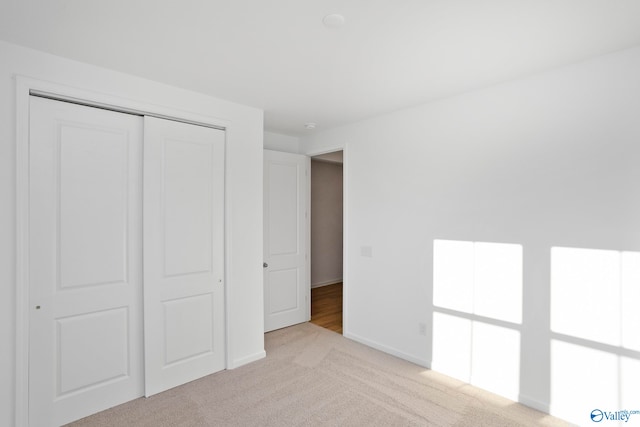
327 240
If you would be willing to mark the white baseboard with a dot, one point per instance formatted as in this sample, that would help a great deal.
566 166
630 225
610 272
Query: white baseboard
386 349
248 359
523 399
535 404
326 283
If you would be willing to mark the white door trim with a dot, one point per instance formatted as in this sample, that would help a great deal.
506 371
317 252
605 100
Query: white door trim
24 87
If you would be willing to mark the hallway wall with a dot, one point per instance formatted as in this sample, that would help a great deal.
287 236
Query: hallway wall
326 223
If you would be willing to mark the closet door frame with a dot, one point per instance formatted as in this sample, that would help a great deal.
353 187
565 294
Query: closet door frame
26 87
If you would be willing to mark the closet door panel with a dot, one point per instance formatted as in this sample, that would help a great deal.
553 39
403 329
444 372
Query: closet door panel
183 257
85 264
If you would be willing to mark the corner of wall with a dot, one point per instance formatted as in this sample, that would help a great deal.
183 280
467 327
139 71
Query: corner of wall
386 349
534 403
247 359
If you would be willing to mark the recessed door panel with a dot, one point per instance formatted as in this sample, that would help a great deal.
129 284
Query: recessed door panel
283 291
187 206
93 178
284 208
104 338
193 314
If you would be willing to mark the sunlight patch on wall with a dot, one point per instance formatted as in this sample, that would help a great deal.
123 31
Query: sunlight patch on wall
629 383
630 296
584 379
495 359
478 310
595 295
452 346
484 355
479 278
595 320
453 271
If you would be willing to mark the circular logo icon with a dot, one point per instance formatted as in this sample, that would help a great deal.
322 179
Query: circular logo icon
596 415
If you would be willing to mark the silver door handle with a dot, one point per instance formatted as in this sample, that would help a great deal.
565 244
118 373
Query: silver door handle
265 265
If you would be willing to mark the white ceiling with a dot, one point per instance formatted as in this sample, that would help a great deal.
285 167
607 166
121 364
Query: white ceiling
277 55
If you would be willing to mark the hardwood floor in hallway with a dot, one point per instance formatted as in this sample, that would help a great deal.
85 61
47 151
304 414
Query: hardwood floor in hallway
326 307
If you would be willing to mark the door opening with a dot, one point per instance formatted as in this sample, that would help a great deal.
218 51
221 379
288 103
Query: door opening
327 240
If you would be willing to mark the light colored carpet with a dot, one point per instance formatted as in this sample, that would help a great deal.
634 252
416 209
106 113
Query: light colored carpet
315 377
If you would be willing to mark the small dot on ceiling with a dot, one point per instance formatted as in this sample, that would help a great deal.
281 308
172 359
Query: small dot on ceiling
335 20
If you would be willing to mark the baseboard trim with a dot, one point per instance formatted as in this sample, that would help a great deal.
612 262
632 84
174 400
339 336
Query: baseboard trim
248 359
326 283
534 403
386 349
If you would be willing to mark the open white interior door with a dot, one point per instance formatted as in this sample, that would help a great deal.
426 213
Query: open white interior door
286 268
183 255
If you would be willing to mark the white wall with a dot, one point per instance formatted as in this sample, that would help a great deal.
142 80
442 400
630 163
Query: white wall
326 223
545 161
279 142
244 191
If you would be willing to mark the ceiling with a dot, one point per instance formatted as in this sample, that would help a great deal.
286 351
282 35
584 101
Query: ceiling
278 56
333 157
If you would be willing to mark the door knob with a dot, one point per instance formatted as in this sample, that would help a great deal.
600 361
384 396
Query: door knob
265 265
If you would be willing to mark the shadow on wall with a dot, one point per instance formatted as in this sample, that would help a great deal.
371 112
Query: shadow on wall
595 324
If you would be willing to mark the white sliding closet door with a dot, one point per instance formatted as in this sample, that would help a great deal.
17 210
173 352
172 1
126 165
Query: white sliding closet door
183 256
90 346
85 261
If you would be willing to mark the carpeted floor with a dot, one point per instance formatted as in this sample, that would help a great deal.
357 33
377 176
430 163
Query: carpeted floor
315 377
